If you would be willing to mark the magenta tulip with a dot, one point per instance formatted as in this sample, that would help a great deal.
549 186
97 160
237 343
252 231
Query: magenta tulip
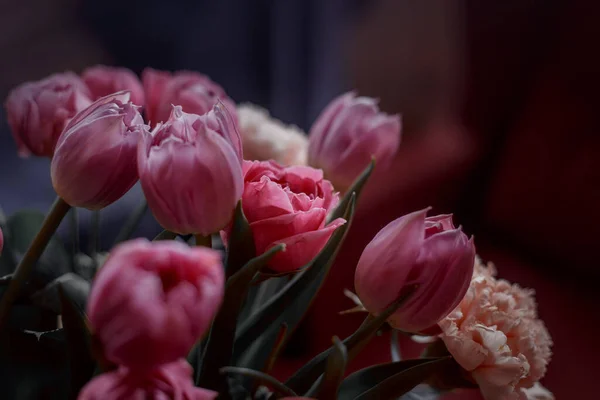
169 381
219 119
290 206
38 111
416 250
94 163
151 301
348 133
102 80
191 175
194 92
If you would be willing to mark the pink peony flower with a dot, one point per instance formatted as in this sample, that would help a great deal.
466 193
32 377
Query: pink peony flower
288 205
348 133
169 381
266 138
495 334
38 111
151 301
416 250
102 81
194 92
94 162
190 174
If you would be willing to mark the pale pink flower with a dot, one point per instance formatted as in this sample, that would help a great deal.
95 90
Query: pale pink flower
266 138
495 334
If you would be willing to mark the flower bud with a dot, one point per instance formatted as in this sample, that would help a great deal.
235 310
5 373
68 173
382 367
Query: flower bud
219 119
102 80
349 132
194 92
151 301
38 111
414 250
169 381
94 163
191 175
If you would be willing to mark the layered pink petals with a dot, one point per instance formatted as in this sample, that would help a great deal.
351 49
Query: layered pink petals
290 206
191 175
194 92
151 301
94 162
348 133
495 334
38 111
102 80
416 250
170 381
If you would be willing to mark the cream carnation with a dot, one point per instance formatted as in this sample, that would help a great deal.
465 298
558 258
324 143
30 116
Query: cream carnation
266 138
495 334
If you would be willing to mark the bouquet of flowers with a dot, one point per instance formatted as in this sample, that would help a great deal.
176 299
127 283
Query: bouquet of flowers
254 213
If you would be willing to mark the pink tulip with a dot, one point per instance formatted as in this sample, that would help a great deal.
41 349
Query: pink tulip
38 111
151 301
170 381
94 163
102 81
416 250
194 92
290 206
348 133
191 175
219 119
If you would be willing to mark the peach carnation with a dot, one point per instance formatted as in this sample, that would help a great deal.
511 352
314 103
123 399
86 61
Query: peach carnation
495 334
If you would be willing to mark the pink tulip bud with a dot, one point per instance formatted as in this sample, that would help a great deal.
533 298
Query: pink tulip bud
290 206
94 163
103 80
191 175
415 250
348 133
194 92
219 119
38 111
169 381
151 301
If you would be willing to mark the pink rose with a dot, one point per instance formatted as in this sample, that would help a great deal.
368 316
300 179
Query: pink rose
94 162
194 92
151 301
38 111
416 250
191 175
348 133
288 205
169 381
495 334
102 81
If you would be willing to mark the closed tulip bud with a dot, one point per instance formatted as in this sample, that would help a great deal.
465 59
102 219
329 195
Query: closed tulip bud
194 92
416 250
348 134
37 112
94 163
151 301
191 175
102 80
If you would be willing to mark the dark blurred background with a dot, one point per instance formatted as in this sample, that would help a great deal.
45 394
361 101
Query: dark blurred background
500 110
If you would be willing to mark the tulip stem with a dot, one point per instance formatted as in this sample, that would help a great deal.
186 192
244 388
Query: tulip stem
36 248
202 240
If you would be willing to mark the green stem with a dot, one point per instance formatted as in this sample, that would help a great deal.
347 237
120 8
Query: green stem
36 248
202 240
132 222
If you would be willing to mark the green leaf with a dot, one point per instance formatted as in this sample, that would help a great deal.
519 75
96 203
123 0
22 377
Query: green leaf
219 346
75 286
241 247
165 235
55 261
357 188
76 329
305 377
334 372
292 301
261 377
391 380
